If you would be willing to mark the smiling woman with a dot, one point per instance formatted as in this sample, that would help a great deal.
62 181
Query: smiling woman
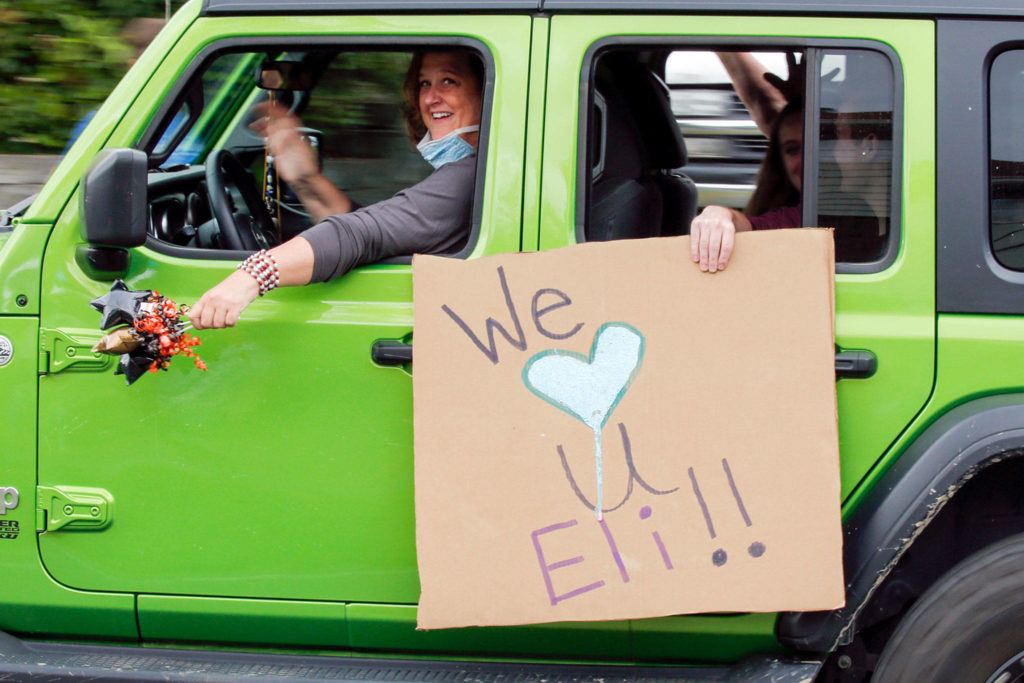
443 94
445 89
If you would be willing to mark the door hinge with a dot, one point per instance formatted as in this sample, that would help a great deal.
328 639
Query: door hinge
73 507
70 348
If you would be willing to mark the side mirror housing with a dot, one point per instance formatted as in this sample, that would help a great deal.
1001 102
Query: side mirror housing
114 211
114 202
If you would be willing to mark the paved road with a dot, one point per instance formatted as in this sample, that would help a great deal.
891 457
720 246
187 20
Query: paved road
22 175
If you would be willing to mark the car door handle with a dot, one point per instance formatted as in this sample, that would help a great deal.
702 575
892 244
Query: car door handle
390 352
855 364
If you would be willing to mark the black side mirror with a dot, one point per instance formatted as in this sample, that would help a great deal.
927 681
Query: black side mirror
113 212
285 76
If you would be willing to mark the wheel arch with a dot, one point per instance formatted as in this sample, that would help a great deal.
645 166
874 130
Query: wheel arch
910 495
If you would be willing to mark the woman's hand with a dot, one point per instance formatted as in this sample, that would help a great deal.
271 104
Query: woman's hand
712 236
294 157
221 306
296 162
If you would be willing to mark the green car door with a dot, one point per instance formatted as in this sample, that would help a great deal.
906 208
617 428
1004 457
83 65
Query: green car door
285 471
884 300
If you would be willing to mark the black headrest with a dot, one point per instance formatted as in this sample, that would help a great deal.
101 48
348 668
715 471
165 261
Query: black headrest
647 98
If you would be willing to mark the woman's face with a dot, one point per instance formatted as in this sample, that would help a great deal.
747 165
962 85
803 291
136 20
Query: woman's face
850 153
791 148
449 94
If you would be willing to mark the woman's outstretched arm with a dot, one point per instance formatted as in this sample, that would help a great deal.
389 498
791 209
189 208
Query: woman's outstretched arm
221 305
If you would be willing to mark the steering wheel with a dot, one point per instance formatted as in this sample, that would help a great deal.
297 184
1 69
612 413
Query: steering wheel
238 231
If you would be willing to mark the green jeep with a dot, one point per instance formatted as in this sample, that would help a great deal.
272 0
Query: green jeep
258 521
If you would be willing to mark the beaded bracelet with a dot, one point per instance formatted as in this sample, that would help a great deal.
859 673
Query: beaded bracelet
263 268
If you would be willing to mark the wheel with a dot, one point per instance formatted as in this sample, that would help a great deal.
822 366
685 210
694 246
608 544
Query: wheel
968 627
239 231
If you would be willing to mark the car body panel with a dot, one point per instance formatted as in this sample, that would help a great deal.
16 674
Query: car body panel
321 491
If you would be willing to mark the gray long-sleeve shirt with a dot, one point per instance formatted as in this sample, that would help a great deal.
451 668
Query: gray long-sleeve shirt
433 216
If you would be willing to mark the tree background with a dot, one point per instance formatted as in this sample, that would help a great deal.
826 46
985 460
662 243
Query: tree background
60 60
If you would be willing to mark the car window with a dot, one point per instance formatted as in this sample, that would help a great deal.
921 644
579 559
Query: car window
358 106
351 114
193 129
668 135
856 152
1006 158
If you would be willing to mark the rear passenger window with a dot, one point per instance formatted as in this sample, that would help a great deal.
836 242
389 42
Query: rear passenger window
671 131
1006 158
855 152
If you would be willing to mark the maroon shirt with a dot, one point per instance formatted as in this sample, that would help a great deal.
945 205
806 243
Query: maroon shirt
784 217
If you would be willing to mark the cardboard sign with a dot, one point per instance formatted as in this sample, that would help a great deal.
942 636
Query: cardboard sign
605 432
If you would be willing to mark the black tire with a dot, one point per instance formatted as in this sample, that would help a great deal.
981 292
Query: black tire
967 626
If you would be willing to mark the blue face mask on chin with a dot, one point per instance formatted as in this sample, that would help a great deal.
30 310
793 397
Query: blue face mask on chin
447 149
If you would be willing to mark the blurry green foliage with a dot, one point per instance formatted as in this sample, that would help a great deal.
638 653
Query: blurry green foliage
59 61
359 90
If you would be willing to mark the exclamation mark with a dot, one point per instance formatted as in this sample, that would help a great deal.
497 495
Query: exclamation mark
719 557
756 548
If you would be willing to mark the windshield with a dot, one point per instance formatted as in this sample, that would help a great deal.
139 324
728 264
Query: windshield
208 110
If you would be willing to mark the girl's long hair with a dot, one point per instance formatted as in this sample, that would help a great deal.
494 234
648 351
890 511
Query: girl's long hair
774 190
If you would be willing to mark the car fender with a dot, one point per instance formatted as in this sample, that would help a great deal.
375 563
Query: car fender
903 502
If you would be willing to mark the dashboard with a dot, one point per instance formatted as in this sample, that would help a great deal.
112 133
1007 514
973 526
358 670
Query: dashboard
179 206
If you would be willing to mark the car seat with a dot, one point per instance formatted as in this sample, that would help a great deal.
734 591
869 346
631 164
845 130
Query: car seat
635 145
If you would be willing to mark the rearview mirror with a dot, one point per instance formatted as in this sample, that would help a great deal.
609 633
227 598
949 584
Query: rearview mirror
284 76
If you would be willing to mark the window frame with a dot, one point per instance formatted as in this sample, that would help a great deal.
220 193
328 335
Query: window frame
354 43
969 279
813 48
1003 50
